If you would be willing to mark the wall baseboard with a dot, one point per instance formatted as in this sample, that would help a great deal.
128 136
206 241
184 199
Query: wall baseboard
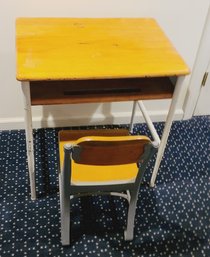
98 119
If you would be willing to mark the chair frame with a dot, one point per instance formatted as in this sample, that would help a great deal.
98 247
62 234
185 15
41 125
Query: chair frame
67 190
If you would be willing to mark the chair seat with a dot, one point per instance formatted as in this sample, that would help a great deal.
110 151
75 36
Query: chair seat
99 175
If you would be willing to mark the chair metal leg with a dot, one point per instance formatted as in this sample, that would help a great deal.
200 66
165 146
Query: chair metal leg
65 214
128 234
64 183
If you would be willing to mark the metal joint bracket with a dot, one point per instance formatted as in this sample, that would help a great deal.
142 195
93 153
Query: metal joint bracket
68 147
149 151
76 151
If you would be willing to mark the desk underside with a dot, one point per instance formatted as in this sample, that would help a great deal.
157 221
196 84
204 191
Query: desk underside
103 90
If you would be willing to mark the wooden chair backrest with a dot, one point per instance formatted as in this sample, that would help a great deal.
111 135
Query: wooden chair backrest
109 150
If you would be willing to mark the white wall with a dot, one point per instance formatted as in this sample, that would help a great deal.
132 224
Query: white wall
197 97
182 20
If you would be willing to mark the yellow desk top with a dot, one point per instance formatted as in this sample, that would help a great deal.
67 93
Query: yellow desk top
99 48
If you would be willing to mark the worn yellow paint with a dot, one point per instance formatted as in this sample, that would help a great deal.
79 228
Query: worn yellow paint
87 48
89 174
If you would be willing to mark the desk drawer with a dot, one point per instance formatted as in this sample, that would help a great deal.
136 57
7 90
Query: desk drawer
104 90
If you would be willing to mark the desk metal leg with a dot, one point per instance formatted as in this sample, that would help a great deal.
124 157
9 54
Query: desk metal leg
170 116
132 117
29 137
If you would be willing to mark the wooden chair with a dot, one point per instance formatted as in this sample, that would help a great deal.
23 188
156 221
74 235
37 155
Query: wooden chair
98 162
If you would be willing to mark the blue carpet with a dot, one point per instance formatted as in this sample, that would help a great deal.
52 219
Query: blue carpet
172 218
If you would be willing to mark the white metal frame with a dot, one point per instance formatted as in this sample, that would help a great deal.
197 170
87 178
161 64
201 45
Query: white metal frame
160 144
146 116
29 136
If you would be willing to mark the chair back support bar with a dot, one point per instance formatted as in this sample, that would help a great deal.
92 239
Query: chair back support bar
109 150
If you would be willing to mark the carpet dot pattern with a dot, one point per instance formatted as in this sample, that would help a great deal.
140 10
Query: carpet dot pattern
172 219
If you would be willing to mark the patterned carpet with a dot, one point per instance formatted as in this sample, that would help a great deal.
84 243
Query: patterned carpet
172 218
